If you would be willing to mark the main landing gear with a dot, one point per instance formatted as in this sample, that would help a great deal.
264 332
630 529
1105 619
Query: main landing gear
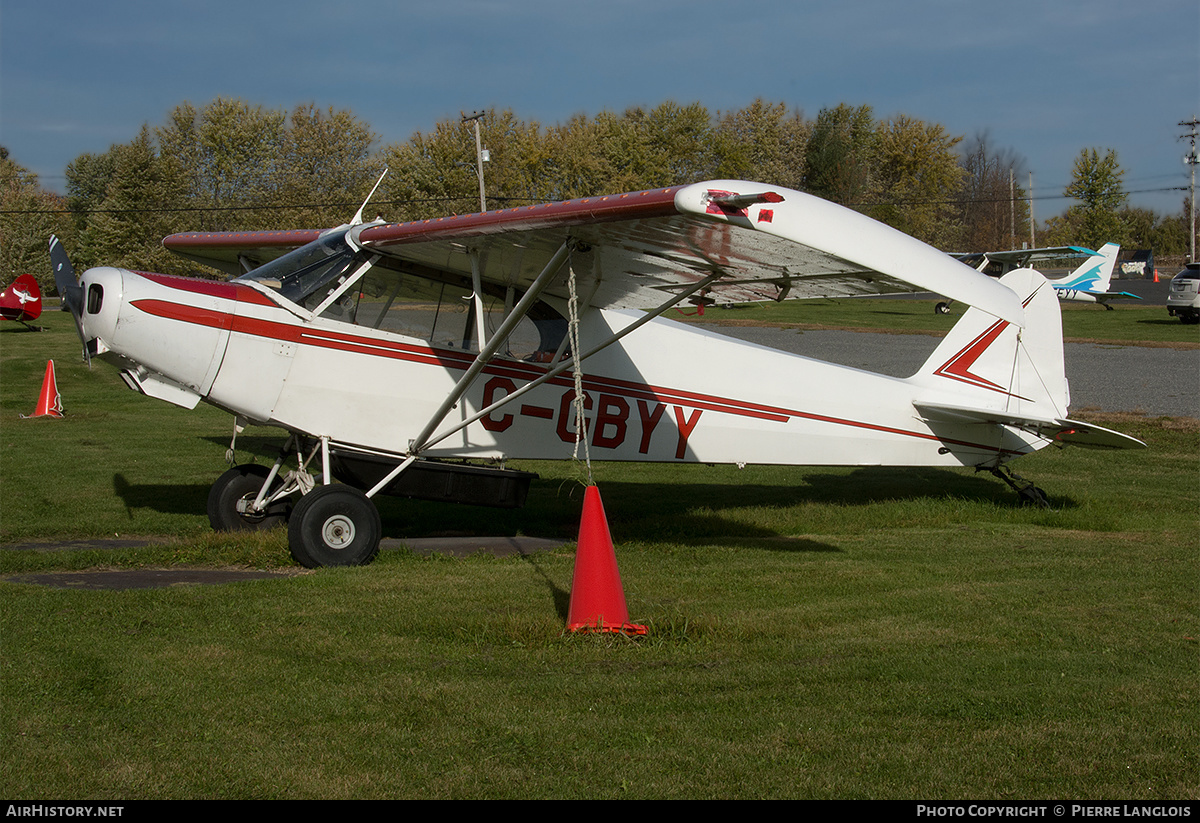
231 498
337 524
334 525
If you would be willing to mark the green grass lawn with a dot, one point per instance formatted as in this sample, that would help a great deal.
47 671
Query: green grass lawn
814 633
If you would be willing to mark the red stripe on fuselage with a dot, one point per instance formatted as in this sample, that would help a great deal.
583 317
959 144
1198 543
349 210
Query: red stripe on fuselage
450 359
185 313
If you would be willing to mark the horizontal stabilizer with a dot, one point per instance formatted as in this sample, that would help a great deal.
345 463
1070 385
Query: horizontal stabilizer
968 414
1061 430
1078 433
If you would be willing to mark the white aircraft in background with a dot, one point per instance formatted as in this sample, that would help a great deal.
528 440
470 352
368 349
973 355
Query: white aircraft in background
414 359
1088 283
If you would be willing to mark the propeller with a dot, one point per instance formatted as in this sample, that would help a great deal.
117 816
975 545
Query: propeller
69 289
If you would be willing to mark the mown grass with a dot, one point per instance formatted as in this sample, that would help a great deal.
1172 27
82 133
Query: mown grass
813 633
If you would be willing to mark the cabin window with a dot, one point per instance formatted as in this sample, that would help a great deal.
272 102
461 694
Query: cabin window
443 314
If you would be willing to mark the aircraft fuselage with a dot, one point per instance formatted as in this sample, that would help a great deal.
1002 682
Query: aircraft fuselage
668 392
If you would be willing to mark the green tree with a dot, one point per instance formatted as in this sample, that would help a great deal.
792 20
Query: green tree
127 226
575 160
28 216
326 166
839 157
1097 184
917 180
1146 229
517 170
666 146
763 142
433 174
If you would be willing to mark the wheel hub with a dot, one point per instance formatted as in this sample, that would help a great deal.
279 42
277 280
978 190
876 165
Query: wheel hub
338 532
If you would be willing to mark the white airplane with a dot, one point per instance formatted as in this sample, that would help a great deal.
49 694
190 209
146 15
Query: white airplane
415 358
1088 283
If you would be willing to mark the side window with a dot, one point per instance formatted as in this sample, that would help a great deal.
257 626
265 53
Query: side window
443 315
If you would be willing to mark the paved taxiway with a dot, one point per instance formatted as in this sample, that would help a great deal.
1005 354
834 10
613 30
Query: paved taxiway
1106 377
1111 378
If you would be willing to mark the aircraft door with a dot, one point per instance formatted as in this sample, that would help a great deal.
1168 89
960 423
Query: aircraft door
257 361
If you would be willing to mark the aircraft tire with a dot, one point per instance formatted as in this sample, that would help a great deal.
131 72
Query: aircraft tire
235 484
942 308
334 525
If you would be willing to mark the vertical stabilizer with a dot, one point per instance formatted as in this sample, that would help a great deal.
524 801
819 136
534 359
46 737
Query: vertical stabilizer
1094 274
990 365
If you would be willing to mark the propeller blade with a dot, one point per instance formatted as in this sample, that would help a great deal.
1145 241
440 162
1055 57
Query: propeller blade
68 289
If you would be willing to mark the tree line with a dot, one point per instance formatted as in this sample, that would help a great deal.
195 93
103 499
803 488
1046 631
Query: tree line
230 165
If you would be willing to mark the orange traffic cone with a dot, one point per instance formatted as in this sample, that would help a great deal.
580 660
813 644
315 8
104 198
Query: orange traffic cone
597 599
50 402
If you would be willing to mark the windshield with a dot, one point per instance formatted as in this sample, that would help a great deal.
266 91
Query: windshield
304 271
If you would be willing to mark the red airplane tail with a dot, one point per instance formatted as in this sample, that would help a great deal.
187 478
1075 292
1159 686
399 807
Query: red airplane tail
22 301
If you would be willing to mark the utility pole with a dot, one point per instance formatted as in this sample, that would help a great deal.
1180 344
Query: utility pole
1190 160
481 155
1032 235
1012 207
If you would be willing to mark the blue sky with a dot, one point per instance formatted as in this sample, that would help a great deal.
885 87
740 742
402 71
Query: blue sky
1043 78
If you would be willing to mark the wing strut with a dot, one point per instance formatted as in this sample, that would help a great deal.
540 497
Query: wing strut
425 439
419 443
477 299
562 367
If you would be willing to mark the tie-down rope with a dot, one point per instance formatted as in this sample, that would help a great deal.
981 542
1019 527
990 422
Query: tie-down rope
573 330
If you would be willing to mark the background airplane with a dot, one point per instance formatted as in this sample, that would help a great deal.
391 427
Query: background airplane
414 359
1088 283
22 301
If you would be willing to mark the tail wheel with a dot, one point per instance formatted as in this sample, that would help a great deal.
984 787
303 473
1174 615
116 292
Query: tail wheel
230 496
334 525
1034 496
942 308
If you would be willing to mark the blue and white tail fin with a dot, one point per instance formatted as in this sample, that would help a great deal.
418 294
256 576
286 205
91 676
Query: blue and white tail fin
988 370
1094 274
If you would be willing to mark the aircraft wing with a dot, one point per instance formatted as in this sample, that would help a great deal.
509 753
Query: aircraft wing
1019 258
237 252
637 250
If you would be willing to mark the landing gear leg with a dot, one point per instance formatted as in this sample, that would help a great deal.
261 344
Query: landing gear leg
1029 494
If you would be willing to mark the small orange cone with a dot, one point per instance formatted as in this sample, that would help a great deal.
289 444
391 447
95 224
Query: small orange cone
597 599
50 402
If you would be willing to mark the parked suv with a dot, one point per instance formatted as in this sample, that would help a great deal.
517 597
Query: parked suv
1183 301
